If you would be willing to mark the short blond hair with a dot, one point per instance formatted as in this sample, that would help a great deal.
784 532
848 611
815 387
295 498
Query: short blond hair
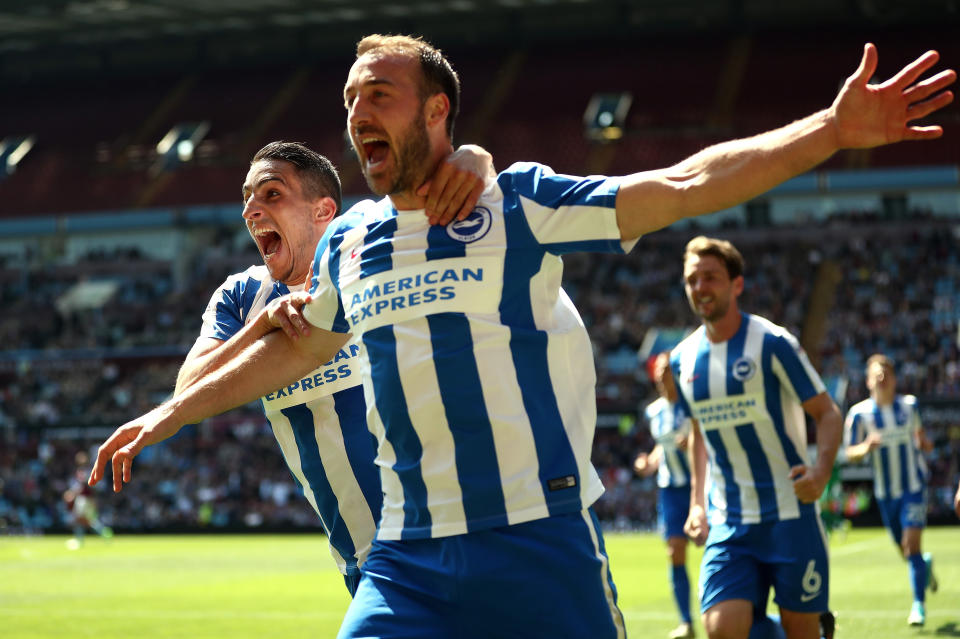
436 73
880 359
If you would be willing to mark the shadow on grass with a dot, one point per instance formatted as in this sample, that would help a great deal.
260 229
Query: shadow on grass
948 630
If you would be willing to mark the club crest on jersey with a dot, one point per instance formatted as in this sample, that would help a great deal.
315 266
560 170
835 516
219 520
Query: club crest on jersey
743 369
471 229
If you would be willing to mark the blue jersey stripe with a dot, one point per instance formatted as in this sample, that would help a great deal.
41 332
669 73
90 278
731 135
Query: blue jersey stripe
797 374
586 246
377 257
360 445
528 348
334 243
388 394
233 306
441 246
771 392
854 431
532 182
553 447
904 450
301 422
731 488
735 352
701 372
399 431
474 447
747 433
760 469
885 464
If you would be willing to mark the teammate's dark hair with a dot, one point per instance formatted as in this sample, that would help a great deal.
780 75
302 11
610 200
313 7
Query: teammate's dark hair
438 75
317 174
720 249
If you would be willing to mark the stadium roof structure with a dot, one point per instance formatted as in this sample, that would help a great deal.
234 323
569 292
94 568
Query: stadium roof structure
43 37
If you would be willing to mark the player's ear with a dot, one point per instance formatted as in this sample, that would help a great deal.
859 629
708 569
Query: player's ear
325 209
738 285
437 109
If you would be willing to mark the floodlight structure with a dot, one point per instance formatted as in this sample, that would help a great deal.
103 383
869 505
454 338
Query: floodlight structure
13 149
178 145
605 117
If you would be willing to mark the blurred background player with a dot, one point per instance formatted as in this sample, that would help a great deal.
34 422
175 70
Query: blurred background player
746 382
82 506
887 426
670 428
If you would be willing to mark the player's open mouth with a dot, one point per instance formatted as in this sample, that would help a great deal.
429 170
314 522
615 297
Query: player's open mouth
269 242
375 150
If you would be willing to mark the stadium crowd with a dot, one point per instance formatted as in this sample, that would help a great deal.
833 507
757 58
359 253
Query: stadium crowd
895 291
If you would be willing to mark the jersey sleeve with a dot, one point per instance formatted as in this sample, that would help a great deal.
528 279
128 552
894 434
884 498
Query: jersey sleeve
565 213
222 318
325 309
915 425
797 373
852 431
675 371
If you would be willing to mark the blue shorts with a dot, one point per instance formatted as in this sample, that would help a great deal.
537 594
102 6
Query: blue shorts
907 511
744 561
673 505
544 578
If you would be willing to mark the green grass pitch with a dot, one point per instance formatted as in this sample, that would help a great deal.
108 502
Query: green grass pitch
255 586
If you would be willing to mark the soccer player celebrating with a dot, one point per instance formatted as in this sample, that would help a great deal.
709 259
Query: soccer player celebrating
746 382
887 427
478 372
290 195
670 428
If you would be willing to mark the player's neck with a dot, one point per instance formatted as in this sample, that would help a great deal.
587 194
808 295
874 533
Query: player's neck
724 328
408 200
883 399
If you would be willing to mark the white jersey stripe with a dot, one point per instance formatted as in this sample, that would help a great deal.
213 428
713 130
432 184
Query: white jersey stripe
512 366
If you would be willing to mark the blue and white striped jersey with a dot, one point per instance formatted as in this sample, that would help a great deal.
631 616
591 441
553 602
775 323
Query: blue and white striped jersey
478 373
898 463
319 422
668 422
746 396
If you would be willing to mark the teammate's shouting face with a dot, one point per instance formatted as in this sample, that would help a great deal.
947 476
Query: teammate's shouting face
710 290
285 223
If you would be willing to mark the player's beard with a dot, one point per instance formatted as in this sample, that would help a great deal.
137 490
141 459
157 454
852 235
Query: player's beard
411 154
720 308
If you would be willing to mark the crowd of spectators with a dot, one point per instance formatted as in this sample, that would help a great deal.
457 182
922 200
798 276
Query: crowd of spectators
74 375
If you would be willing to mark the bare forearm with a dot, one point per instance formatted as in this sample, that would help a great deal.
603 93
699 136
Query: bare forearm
270 363
698 468
196 367
829 434
723 175
856 452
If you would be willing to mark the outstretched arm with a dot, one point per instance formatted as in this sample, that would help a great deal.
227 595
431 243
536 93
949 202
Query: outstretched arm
209 354
271 362
862 116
